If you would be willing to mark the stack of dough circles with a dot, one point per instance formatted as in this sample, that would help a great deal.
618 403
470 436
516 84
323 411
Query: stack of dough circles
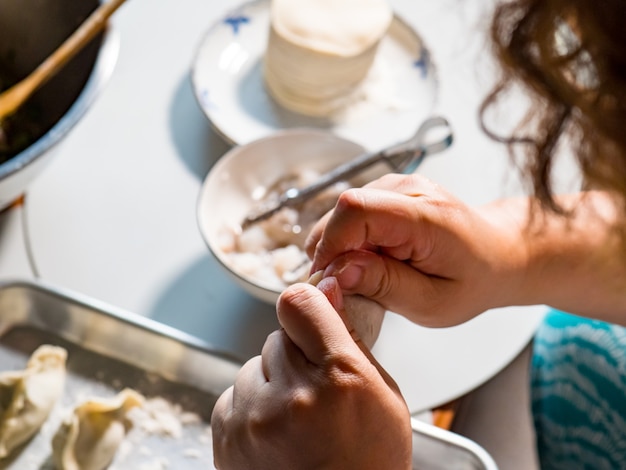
319 51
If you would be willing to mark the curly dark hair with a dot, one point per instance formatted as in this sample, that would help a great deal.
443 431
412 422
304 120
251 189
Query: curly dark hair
571 56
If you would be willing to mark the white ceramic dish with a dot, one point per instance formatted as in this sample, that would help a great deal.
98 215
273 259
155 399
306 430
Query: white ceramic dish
230 189
228 84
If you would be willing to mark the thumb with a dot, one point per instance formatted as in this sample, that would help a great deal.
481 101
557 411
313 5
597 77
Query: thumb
330 287
319 330
313 324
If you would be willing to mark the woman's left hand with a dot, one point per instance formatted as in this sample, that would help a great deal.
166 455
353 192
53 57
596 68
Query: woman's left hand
315 398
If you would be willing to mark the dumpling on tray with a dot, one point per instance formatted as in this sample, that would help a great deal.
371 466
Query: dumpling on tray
89 438
27 397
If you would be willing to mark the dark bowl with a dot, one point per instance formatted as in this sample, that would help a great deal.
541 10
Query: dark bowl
29 31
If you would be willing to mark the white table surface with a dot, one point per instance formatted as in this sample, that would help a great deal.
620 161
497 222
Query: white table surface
113 216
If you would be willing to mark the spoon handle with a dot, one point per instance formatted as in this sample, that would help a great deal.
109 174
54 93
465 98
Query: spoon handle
403 157
343 172
11 99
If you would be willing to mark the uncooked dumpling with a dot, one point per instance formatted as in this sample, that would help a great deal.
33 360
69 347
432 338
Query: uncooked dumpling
365 315
89 438
28 396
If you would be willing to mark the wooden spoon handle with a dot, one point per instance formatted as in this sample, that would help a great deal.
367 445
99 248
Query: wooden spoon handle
11 99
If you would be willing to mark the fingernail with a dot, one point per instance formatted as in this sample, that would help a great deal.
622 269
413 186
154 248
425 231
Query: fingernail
332 291
348 276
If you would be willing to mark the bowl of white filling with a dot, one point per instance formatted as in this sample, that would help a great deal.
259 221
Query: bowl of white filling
266 257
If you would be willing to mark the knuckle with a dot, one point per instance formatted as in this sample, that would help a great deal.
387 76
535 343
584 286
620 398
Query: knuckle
347 373
349 200
383 280
294 296
302 401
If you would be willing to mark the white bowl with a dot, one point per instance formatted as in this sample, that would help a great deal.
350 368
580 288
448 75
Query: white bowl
228 192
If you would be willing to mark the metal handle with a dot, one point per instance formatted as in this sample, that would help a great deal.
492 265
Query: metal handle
401 158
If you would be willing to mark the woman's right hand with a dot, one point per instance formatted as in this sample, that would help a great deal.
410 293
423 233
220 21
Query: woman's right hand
417 250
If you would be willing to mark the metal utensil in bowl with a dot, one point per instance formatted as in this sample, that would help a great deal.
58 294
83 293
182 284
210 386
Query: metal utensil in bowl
434 135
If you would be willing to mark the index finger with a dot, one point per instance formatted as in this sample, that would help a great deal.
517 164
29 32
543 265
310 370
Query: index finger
366 219
413 185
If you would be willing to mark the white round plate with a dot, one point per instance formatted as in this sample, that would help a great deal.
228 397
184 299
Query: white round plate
228 82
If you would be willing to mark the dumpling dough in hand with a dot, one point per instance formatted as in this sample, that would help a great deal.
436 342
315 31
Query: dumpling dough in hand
90 437
365 315
27 397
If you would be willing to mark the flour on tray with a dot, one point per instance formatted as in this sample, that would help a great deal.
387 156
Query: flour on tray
165 424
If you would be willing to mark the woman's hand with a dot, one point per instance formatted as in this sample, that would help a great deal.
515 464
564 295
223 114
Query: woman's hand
314 399
418 251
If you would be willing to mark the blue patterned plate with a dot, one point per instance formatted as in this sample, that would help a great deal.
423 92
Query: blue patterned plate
228 83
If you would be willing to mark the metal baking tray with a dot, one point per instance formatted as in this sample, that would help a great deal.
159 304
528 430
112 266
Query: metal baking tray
110 349
437 449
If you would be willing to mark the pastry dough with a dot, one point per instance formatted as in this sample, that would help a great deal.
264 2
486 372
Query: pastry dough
89 438
319 51
27 397
365 315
